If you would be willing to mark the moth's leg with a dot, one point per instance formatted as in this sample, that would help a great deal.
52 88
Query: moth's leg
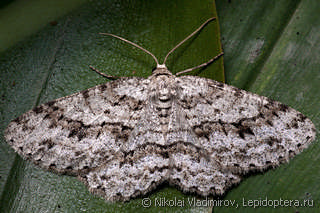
111 77
201 65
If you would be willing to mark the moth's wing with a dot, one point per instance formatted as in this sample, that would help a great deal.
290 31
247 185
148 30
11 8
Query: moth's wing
192 168
80 132
135 173
237 131
144 163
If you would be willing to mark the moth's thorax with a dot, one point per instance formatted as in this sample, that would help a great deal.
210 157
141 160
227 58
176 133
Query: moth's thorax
163 92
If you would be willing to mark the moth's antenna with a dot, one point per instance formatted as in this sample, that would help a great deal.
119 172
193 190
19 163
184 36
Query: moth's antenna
130 42
201 65
184 40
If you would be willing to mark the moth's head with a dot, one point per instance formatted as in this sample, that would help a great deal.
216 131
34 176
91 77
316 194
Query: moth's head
160 69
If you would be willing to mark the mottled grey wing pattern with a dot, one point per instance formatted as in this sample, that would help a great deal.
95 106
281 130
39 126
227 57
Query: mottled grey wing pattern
124 138
142 163
239 130
80 132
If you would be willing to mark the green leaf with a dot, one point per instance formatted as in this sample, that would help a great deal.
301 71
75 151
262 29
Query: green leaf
19 19
54 62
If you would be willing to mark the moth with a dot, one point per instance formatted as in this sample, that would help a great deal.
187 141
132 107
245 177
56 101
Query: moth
125 137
